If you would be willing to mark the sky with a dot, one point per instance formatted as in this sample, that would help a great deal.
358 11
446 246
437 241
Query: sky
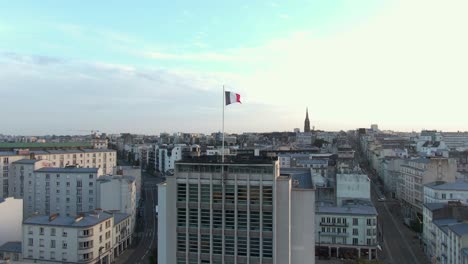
160 66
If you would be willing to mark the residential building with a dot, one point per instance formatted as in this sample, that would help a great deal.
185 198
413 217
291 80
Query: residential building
340 229
443 192
168 155
351 187
415 173
234 212
11 251
117 193
455 139
391 174
88 238
86 158
133 171
445 232
67 191
21 170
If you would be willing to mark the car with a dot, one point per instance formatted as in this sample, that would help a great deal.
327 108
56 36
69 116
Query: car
381 199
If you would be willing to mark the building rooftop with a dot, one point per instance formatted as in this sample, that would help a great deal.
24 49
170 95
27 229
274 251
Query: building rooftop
119 217
44 145
460 229
88 219
8 153
11 246
348 209
107 178
459 185
254 160
434 206
26 161
68 170
444 222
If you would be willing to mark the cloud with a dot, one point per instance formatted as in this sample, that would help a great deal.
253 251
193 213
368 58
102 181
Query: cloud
205 56
283 16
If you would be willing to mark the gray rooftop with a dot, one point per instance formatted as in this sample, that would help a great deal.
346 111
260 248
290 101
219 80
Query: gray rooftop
12 246
68 170
301 177
7 153
449 186
119 217
347 210
89 219
106 178
444 222
26 161
435 206
460 229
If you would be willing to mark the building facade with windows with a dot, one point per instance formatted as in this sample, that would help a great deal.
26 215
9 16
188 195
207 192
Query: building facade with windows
345 228
415 173
240 211
67 191
443 192
21 170
88 238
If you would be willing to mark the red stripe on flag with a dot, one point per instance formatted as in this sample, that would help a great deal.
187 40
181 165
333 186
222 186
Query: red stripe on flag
238 98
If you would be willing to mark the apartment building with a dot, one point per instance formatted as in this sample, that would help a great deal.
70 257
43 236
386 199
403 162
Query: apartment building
105 159
88 238
21 170
67 191
348 229
445 232
443 192
239 211
415 173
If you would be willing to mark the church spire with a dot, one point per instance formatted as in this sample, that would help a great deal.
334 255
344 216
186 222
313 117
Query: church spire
307 122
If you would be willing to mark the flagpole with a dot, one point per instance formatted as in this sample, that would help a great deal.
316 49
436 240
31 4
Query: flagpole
222 148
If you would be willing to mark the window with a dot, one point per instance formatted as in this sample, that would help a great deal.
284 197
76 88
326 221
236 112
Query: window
193 193
229 194
254 246
217 219
255 195
64 256
267 247
217 244
193 217
181 192
64 234
91 176
267 221
52 244
41 231
205 193
369 222
91 184
181 217
355 241
254 220
41 242
355 232
30 242
369 232
242 194
229 219
355 221
181 242
193 243
52 255
52 231
242 220
229 245
205 218
369 242
64 245
205 244
444 196
242 246
217 194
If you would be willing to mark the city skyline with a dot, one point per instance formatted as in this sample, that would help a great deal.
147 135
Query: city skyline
160 66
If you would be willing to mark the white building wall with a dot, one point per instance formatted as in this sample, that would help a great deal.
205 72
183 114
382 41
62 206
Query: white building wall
355 186
303 226
282 221
162 223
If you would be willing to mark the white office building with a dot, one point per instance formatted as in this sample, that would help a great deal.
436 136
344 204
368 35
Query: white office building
21 170
239 212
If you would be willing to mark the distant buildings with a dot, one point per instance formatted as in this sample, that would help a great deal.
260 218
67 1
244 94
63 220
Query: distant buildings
244 210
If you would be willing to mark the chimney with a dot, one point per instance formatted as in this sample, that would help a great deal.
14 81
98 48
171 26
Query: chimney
52 217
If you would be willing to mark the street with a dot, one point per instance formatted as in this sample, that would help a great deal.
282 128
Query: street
145 242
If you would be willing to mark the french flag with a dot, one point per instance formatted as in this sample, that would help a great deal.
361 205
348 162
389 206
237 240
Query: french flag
232 98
